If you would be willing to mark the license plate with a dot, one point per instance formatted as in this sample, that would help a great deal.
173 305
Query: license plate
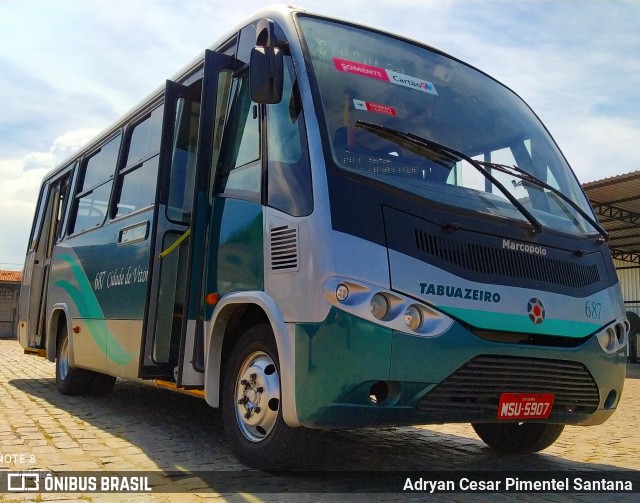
525 405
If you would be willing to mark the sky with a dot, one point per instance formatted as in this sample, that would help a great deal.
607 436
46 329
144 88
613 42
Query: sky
69 68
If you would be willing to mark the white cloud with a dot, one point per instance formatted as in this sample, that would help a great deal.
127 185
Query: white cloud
21 180
17 202
42 162
63 147
600 147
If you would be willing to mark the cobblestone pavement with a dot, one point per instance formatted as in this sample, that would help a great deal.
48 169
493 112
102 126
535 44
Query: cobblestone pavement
142 428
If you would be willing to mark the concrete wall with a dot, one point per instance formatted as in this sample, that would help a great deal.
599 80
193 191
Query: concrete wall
9 293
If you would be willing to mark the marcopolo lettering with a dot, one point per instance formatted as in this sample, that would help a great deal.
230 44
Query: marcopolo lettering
523 247
459 292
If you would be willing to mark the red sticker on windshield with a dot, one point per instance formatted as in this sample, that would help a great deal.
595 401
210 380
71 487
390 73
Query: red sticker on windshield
374 107
375 72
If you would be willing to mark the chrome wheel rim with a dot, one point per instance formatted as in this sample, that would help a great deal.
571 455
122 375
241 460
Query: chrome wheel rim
63 359
257 396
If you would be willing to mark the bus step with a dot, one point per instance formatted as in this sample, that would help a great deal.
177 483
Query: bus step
159 383
35 351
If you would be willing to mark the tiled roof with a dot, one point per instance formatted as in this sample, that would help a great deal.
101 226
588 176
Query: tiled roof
11 276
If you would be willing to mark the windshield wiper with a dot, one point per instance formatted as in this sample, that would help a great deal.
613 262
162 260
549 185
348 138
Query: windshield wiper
452 155
528 177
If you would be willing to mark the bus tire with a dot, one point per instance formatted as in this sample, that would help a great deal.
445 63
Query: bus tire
518 437
69 380
251 411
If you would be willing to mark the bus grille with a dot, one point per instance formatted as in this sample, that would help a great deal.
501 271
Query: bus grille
507 263
476 387
284 248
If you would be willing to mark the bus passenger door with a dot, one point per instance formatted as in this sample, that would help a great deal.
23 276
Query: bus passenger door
168 258
51 209
177 237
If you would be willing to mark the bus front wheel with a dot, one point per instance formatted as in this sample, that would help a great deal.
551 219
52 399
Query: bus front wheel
251 404
518 437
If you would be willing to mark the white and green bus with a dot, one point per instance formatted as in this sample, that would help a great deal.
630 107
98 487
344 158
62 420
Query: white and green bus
321 225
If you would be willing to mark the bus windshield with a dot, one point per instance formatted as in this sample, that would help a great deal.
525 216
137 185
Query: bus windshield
368 77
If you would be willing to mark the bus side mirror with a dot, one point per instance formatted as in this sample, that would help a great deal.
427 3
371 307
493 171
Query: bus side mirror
266 69
266 65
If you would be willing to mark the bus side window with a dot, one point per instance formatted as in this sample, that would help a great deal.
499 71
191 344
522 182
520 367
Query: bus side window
63 194
37 222
240 169
289 174
92 197
137 178
183 161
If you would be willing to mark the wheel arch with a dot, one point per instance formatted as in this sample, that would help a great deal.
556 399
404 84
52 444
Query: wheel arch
59 315
233 315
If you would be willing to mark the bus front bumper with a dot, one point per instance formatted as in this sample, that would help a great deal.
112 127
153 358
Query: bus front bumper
353 373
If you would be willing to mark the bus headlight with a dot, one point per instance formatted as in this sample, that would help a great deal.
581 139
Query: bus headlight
607 339
614 338
389 309
379 306
413 317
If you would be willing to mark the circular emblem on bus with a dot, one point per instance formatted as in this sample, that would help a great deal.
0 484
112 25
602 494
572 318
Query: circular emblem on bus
535 308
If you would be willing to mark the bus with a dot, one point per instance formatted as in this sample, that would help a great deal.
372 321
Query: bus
320 225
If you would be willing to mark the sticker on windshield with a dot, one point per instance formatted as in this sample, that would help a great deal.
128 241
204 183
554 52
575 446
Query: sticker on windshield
374 107
374 72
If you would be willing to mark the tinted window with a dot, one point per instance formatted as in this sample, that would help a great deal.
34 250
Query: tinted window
101 165
183 161
92 208
65 189
138 187
246 43
92 199
289 176
375 87
37 223
240 168
138 177
145 139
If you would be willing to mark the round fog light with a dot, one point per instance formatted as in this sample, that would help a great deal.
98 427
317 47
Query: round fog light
413 317
342 292
379 306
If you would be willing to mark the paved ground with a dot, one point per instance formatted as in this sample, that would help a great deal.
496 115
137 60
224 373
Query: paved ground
142 428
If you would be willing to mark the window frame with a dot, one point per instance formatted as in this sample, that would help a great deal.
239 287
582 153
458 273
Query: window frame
260 161
303 164
80 191
124 167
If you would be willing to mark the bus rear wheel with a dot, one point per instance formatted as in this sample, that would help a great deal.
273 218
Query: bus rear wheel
251 404
76 381
518 437
69 380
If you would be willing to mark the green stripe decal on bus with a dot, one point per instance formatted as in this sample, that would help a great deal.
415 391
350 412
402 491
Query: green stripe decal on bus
517 323
89 309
